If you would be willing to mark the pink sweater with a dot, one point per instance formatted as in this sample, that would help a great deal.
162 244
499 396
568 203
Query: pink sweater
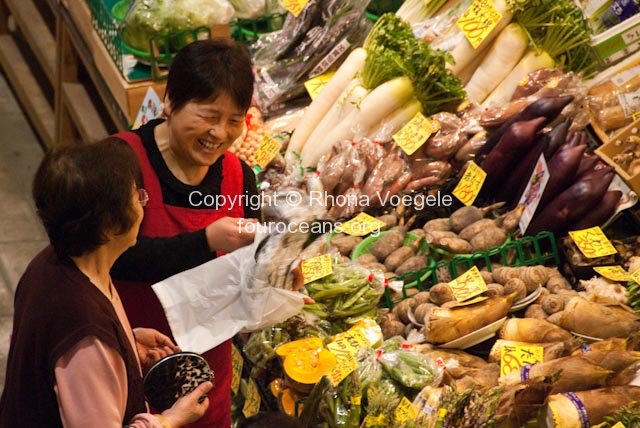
91 382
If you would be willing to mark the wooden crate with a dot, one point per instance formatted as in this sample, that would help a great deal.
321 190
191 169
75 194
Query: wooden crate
616 146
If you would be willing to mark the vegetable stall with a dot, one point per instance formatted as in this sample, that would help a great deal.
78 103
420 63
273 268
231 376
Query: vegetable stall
511 299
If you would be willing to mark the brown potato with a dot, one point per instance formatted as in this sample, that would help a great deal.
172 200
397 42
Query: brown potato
421 312
399 256
423 297
475 228
516 285
387 244
419 233
413 264
366 259
464 217
441 293
535 311
495 290
438 224
487 276
489 238
401 310
345 243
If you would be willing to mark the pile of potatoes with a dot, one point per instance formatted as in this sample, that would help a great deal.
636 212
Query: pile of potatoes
500 281
467 230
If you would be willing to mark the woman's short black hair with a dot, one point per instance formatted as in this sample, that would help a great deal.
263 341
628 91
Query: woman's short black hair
83 192
204 69
271 420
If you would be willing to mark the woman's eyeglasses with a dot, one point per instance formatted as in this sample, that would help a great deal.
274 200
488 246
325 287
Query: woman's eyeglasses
143 197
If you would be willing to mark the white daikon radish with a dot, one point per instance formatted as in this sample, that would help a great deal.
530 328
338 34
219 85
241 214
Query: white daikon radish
502 57
464 52
374 107
327 96
531 61
349 100
395 121
467 73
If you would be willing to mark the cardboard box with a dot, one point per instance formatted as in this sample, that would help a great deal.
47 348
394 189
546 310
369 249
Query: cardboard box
616 146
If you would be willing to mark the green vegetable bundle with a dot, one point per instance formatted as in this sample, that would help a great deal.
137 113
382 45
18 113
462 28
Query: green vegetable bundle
260 348
345 297
408 368
633 295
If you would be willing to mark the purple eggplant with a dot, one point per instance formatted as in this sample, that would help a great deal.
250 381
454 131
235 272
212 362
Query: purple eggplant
557 137
602 212
548 107
572 204
517 181
517 140
562 172
587 163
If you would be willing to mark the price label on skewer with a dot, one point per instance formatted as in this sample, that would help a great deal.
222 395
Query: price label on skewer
415 133
294 6
614 273
315 85
479 21
593 242
470 184
360 225
405 411
252 400
237 362
316 268
468 285
515 357
267 150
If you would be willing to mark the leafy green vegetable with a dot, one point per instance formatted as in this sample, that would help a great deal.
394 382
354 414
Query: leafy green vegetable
558 27
393 51
628 415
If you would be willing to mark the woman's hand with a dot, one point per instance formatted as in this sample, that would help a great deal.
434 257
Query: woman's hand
189 408
228 234
152 346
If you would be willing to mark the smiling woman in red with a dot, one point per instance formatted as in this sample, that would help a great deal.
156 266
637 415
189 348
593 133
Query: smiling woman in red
208 93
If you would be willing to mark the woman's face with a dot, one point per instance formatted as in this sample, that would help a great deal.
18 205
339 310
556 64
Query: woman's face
131 235
201 132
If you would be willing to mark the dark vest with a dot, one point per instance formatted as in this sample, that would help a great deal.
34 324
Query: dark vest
55 307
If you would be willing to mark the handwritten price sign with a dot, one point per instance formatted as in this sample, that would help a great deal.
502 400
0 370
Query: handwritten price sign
315 85
343 368
470 184
252 401
316 268
514 357
614 273
237 363
468 285
362 224
294 6
593 242
479 21
267 150
405 411
415 133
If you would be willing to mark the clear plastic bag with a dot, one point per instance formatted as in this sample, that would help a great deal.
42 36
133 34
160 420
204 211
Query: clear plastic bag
249 9
150 18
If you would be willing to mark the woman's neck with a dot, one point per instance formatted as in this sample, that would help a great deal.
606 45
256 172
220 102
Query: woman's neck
96 266
182 170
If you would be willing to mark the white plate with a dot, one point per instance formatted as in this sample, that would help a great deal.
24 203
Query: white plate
478 336
523 303
589 339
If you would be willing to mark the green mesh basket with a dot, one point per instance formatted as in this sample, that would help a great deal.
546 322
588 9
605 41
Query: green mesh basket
247 31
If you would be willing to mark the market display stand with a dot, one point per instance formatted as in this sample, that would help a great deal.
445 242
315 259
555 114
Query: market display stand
75 114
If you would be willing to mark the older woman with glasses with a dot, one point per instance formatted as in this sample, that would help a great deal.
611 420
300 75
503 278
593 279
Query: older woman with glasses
74 360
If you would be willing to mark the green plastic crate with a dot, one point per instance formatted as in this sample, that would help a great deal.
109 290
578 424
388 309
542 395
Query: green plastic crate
247 31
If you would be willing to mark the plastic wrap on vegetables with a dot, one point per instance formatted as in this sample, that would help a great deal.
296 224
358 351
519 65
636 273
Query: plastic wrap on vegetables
260 348
149 18
389 177
410 369
444 143
252 9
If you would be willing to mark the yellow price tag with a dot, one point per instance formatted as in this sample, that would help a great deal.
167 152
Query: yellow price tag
635 277
343 368
405 411
237 362
470 184
479 21
514 357
468 285
356 400
614 273
315 85
360 225
267 150
348 343
316 268
251 401
593 242
618 425
294 6
375 421
415 133
635 116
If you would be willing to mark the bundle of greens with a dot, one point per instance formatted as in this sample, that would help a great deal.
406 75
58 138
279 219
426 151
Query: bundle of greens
557 27
393 51
345 297
628 416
